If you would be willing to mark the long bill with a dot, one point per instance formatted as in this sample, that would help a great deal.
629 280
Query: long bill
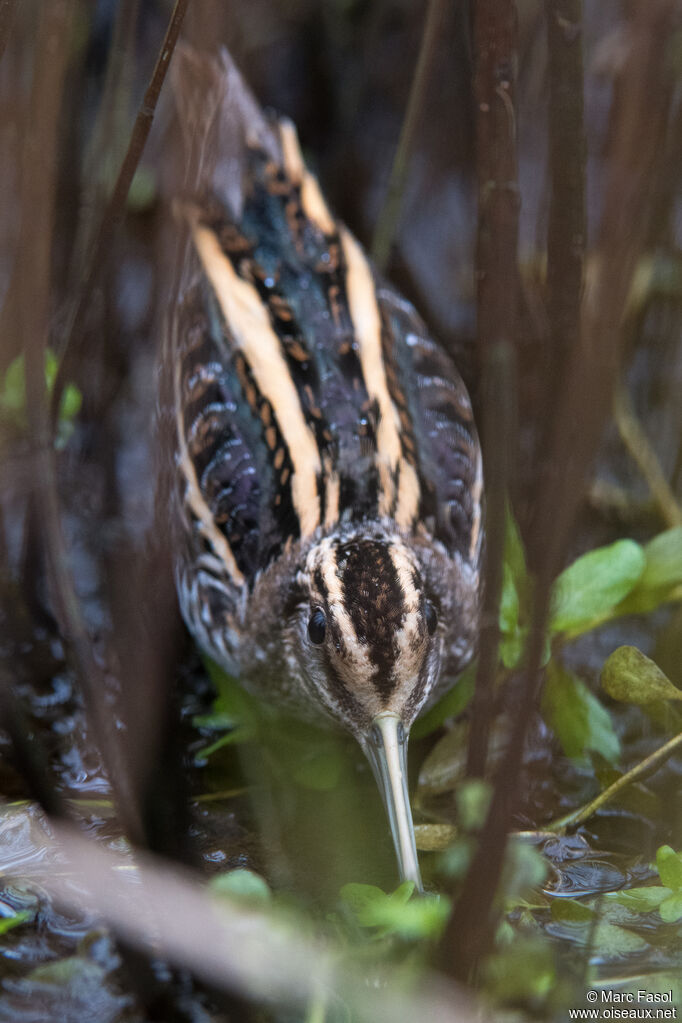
386 749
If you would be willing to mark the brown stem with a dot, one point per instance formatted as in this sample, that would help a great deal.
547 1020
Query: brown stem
34 279
115 208
497 306
495 38
8 9
567 224
389 216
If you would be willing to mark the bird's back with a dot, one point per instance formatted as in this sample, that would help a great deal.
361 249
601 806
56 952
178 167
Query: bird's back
307 393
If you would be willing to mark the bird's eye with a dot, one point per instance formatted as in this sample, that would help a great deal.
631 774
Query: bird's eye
317 626
431 616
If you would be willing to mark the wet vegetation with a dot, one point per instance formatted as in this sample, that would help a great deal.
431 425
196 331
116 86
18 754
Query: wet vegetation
171 849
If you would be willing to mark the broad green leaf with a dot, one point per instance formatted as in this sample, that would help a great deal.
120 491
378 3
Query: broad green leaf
641 900
615 941
663 560
363 899
669 866
577 717
397 913
244 885
661 580
7 923
589 588
631 677
453 703
671 908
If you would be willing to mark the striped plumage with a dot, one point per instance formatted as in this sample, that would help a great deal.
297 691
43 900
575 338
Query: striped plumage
328 500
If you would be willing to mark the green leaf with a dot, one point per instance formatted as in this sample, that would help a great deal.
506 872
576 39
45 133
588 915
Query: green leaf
14 386
509 603
671 908
456 860
143 190
521 970
615 941
7 923
589 588
397 913
242 885
663 560
473 799
571 910
525 869
71 402
233 709
631 677
661 580
453 703
669 866
514 556
512 637
577 717
641 900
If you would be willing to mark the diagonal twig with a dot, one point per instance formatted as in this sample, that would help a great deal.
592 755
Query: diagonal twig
389 216
114 210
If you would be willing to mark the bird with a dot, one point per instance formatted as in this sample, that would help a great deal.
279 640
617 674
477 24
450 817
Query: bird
326 482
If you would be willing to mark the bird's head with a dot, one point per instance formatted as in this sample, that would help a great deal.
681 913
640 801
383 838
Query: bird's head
366 642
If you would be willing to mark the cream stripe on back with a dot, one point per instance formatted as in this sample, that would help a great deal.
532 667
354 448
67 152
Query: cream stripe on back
364 311
314 206
250 326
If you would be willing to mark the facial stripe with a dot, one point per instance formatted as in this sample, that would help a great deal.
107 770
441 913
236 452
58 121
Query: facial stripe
366 319
253 334
312 202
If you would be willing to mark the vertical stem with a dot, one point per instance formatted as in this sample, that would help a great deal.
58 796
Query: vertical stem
389 217
34 281
567 224
497 304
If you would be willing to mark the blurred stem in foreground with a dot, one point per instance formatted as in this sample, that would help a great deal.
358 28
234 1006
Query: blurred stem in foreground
495 40
389 215
7 11
469 931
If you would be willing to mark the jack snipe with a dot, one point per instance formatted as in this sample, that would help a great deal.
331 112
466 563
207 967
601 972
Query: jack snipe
328 502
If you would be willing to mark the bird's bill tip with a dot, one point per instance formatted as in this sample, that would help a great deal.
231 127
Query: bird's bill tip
386 748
